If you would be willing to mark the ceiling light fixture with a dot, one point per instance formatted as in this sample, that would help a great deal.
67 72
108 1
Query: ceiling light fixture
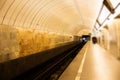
108 8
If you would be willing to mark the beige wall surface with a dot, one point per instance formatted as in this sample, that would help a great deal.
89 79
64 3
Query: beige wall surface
18 42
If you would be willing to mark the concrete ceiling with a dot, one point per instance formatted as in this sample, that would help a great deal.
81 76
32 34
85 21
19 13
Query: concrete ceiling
61 16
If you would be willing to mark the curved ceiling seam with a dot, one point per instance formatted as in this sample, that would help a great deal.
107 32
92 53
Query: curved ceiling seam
7 11
11 10
14 12
64 9
75 10
45 18
36 17
31 22
36 11
37 14
56 18
20 19
56 23
17 12
55 30
3 4
33 9
41 12
45 21
41 19
59 22
2 11
19 16
79 12
66 12
46 26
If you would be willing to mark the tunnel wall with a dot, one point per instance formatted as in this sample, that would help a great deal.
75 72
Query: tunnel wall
13 68
114 31
109 38
18 42
104 38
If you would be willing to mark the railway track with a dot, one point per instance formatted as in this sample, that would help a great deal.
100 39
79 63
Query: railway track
53 68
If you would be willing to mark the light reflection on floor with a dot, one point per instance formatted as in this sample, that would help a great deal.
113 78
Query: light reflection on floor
104 64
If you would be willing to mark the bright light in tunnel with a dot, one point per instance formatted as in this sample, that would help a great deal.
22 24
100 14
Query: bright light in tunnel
105 12
97 25
115 2
117 11
109 22
111 18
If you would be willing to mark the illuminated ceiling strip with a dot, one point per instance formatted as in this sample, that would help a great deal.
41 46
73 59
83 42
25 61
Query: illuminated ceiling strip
110 14
107 16
98 16
109 6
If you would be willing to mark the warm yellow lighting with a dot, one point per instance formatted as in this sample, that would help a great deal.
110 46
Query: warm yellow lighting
100 63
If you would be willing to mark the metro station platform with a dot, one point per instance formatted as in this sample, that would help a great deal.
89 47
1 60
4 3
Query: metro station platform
92 63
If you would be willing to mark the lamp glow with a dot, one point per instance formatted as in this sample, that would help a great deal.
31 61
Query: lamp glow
97 25
115 2
105 12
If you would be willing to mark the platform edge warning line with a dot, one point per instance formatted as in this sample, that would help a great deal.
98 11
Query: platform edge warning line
81 66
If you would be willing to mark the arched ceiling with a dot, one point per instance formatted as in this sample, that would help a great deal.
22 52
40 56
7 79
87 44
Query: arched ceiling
62 16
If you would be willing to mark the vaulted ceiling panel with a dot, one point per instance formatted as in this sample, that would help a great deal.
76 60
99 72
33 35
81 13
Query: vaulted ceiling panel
63 16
